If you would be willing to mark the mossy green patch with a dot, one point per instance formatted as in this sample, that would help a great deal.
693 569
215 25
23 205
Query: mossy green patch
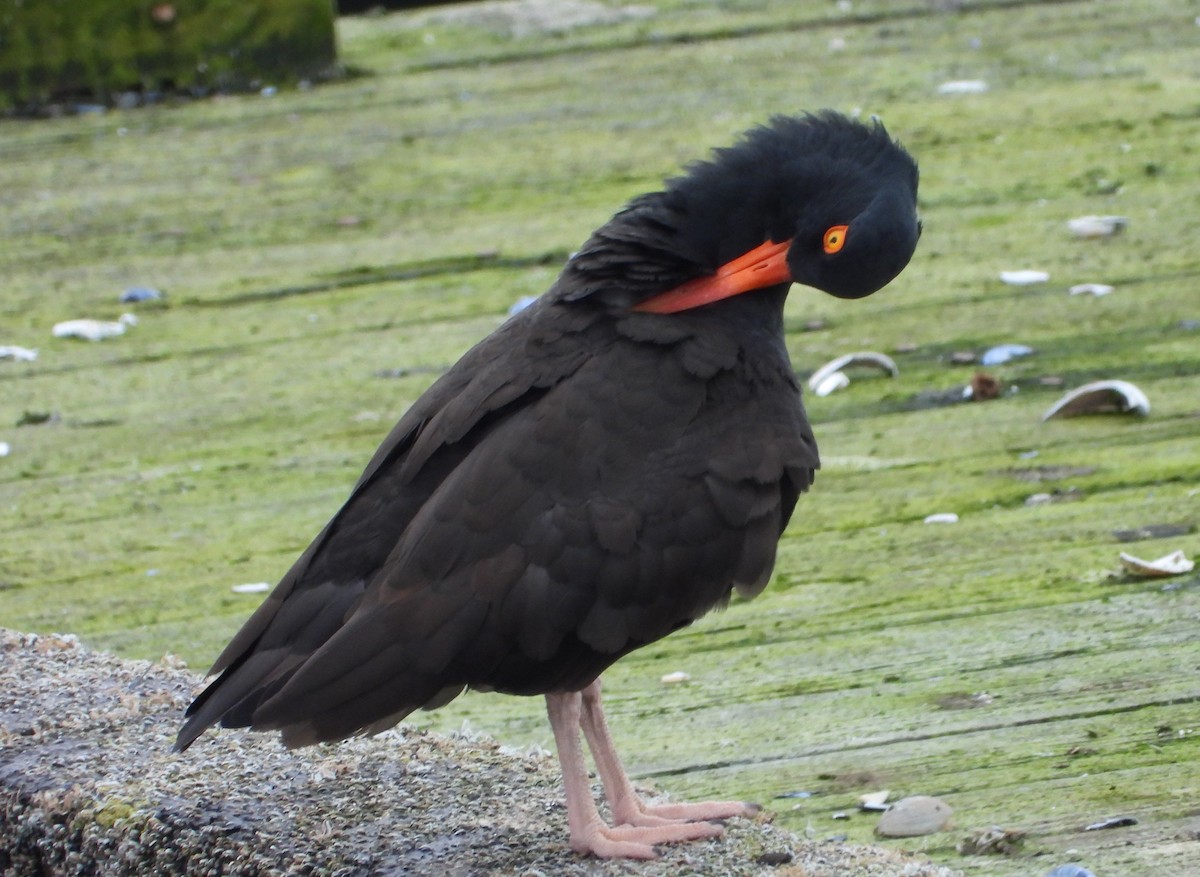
325 253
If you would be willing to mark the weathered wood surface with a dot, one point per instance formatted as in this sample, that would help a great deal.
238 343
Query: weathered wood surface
311 241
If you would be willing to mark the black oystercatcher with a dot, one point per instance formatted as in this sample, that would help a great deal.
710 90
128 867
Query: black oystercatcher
603 469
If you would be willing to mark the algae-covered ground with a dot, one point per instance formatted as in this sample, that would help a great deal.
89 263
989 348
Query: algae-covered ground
325 253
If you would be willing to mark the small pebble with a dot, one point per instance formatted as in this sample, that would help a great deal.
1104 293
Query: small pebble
915 816
1070 870
140 293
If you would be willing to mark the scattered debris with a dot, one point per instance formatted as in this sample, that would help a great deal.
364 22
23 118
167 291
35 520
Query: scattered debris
1038 474
961 700
1097 226
831 376
1002 353
963 357
252 588
915 816
797 794
676 678
983 387
994 841
135 294
1093 289
1173 564
1114 822
5 449
963 86
1101 397
874 802
1024 277
17 354
93 330
1152 531
1055 496
942 518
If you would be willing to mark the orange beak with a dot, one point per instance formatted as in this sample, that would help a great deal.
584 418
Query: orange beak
765 265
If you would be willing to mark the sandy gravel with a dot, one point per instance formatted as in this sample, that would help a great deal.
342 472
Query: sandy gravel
88 785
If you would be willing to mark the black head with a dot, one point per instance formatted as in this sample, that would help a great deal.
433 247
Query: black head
841 191
817 199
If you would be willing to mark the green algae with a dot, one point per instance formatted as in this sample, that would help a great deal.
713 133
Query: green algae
310 242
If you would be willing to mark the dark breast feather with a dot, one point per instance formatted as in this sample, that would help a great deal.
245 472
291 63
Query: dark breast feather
569 491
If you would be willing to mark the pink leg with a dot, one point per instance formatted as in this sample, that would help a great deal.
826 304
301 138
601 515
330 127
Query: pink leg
627 806
589 834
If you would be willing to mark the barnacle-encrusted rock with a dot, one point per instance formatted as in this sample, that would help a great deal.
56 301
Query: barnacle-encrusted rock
89 785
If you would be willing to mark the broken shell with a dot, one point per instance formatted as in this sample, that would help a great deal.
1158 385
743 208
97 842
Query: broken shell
1096 226
915 816
1114 822
93 330
1101 397
1024 277
1096 289
963 86
1002 353
1173 564
835 381
17 354
942 518
252 588
881 361
676 678
873 801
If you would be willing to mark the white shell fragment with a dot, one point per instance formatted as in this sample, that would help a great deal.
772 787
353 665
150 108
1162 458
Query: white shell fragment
963 86
1002 353
835 381
93 330
1096 226
874 801
1024 277
17 354
1101 397
252 588
1173 564
676 678
826 375
1096 289
915 816
942 518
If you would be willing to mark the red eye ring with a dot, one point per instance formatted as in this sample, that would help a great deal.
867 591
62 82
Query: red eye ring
835 238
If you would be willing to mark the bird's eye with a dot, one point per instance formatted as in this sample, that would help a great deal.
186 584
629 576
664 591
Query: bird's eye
835 238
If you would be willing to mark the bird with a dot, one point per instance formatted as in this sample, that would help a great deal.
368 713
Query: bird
610 464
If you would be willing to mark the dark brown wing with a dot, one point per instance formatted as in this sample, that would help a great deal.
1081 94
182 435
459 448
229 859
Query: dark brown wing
577 486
